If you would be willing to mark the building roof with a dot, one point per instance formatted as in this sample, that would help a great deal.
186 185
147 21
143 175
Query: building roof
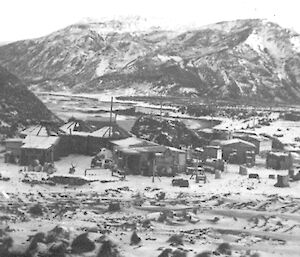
105 132
76 127
233 142
133 145
173 149
247 137
279 154
39 142
150 149
259 138
212 146
14 140
42 130
145 149
111 131
131 142
247 132
129 151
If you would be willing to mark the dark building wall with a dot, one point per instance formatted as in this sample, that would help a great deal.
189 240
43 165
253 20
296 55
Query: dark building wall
276 162
211 152
241 152
85 145
43 155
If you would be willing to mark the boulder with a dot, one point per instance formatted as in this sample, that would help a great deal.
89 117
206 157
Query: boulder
243 170
178 253
34 240
58 233
204 254
176 240
224 248
135 239
58 249
36 210
108 249
217 174
114 207
166 253
82 244
282 181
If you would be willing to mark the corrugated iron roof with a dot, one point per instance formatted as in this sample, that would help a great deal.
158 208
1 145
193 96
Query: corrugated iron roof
235 141
39 142
76 127
131 142
41 130
173 149
105 132
14 140
150 149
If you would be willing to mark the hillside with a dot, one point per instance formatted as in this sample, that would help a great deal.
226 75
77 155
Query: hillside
166 132
18 105
244 59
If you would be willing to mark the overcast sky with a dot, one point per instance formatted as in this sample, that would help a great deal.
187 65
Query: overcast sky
21 19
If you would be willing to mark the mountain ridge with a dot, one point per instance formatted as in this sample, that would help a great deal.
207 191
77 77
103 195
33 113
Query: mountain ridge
243 59
18 105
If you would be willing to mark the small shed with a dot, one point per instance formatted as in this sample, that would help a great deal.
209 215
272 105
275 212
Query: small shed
279 160
80 139
179 158
262 144
221 134
42 148
212 151
142 157
135 156
237 151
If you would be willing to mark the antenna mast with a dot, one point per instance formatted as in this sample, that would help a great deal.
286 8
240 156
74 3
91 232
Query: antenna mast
110 117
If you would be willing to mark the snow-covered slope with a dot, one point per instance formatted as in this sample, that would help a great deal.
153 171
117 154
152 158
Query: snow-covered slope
243 59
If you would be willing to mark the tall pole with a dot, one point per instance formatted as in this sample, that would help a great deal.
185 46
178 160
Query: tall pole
161 106
110 117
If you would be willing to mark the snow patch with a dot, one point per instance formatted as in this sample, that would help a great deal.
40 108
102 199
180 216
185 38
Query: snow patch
4 124
102 68
296 43
187 90
255 42
166 58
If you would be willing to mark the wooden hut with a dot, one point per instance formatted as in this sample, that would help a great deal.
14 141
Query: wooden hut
279 160
212 151
41 142
142 157
262 144
282 181
136 156
178 160
81 139
42 148
237 151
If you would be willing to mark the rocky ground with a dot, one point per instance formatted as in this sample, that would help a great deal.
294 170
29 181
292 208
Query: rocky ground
233 215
